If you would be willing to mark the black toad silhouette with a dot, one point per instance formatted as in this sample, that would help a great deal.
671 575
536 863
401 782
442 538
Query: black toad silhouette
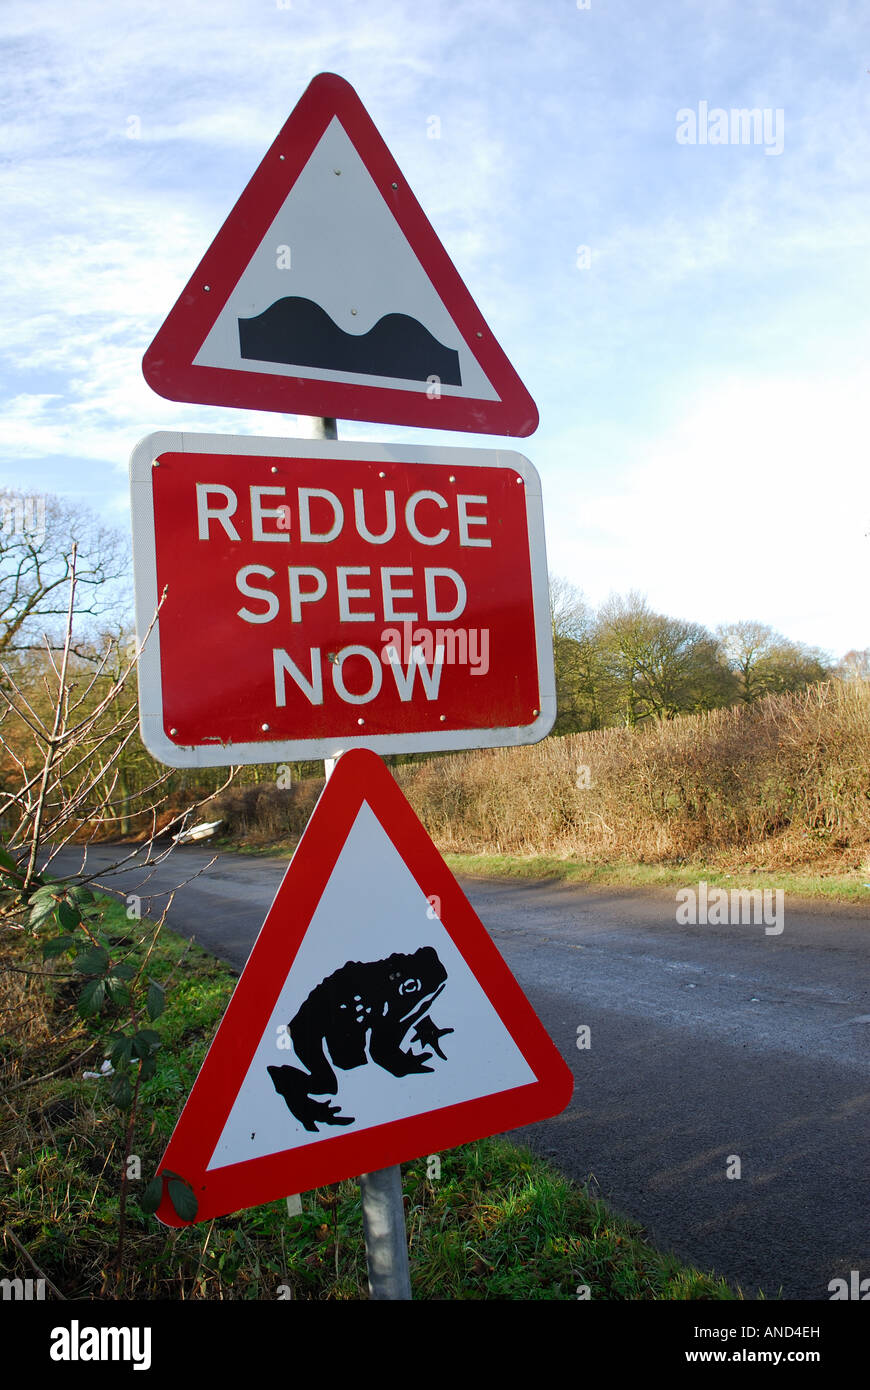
361 1013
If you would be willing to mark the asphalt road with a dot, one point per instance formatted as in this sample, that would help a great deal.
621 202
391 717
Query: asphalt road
706 1042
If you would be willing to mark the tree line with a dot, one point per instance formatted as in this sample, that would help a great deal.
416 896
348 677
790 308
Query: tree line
626 664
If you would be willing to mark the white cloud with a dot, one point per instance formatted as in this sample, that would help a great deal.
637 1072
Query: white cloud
755 504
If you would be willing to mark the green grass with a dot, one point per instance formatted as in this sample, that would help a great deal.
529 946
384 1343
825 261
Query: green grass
495 1223
851 887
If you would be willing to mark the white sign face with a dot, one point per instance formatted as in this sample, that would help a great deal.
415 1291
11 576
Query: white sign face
480 1057
336 248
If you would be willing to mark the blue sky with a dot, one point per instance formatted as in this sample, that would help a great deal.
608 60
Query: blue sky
701 382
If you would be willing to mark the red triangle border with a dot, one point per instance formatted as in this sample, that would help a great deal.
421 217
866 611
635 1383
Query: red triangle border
168 363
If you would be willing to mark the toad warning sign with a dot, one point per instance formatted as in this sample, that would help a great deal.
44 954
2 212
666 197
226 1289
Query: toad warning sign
314 596
374 1022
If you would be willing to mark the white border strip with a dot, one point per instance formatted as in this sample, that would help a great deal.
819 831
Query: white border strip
145 575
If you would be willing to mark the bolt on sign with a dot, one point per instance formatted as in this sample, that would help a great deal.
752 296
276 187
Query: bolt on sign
315 596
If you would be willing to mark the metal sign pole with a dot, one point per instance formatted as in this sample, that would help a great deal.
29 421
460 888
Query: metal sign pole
382 1207
385 1235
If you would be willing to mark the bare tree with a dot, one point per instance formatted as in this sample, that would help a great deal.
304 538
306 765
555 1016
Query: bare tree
855 666
62 749
765 662
576 659
37 535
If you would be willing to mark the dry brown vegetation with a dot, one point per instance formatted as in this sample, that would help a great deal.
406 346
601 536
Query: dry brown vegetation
262 811
783 783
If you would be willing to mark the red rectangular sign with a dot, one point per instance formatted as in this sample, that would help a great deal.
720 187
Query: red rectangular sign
321 596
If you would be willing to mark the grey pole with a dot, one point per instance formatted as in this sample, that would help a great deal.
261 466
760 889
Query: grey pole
385 1235
321 427
318 428
383 1210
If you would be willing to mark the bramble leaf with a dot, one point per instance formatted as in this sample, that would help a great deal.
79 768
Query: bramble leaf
120 1050
92 961
68 915
146 1042
152 1196
117 991
155 1000
56 946
183 1200
41 911
80 895
92 997
120 1090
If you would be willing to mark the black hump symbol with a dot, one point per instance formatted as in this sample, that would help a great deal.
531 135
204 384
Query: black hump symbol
299 333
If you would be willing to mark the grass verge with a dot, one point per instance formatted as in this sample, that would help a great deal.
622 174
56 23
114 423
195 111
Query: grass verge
495 1223
853 887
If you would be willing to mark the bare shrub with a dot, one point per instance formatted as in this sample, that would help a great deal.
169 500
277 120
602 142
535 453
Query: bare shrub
265 811
784 781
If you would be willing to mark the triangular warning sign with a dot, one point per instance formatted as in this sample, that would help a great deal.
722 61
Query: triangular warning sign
326 292
374 1022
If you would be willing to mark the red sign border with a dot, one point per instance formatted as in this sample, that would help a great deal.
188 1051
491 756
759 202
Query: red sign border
358 776
168 364
429 740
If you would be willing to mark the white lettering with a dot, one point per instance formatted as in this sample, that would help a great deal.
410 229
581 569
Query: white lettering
205 513
411 517
359 516
305 531
297 598
390 595
282 664
465 520
432 610
345 594
405 679
338 675
250 592
258 511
